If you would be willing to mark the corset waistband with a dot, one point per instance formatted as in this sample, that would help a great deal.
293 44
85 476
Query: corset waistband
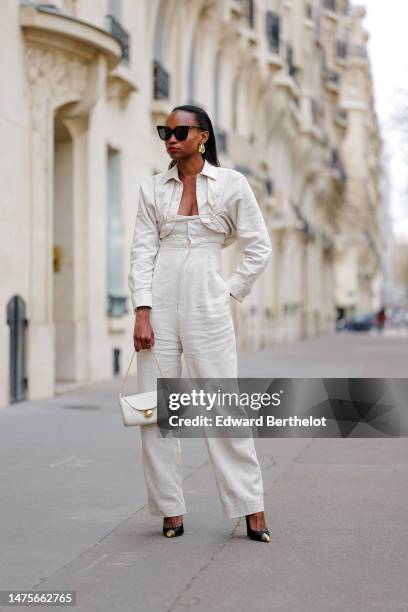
194 242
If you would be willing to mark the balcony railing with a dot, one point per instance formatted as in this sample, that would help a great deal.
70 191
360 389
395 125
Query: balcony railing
161 82
344 50
273 31
341 49
114 27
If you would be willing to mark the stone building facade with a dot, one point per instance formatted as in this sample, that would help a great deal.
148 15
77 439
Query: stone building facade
287 85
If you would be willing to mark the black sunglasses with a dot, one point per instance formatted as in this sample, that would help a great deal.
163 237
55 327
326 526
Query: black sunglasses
180 131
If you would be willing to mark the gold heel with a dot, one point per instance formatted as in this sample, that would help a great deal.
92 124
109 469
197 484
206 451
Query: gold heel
173 532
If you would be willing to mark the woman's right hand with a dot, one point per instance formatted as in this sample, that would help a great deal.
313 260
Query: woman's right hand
143 335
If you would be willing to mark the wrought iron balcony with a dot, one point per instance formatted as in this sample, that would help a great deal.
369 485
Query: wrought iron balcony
115 28
272 22
342 49
161 82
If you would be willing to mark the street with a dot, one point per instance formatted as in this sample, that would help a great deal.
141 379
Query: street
74 514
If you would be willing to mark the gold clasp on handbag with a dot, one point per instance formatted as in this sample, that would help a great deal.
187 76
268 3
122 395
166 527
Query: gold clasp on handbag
148 413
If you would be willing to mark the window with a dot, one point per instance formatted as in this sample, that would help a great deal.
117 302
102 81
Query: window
273 31
249 12
116 294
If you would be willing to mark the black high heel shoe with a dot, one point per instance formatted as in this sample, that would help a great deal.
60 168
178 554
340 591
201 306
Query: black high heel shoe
172 532
254 534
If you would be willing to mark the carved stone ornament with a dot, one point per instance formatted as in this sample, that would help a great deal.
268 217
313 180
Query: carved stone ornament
66 61
54 78
120 86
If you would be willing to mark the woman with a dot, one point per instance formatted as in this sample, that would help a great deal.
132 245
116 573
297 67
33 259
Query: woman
186 215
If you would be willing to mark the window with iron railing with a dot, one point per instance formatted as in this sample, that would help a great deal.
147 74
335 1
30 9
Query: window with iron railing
308 10
116 294
345 49
161 82
292 69
248 10
114 27
341 49
273 31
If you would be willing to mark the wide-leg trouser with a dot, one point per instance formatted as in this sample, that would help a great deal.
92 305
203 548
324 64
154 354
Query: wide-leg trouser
191 315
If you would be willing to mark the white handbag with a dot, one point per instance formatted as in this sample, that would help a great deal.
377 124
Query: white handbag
140 408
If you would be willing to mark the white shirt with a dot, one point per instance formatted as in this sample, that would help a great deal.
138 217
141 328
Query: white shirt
226 197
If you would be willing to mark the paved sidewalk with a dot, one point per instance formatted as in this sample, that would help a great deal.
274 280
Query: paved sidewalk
73 511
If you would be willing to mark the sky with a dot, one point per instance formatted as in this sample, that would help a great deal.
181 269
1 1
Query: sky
386 22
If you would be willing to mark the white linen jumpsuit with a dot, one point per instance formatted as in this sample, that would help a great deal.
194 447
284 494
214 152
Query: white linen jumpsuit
190 314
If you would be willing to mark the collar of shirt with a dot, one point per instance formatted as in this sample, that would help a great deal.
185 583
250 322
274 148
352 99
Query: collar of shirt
208 170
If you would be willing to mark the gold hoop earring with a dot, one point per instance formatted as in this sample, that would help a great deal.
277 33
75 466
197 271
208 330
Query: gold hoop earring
201 148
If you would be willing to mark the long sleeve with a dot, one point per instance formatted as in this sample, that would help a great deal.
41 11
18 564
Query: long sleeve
253 241
143 251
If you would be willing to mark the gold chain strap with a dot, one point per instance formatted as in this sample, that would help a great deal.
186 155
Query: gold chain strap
125 377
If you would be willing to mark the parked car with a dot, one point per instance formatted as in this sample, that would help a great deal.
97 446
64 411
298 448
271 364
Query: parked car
360 322
357 322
